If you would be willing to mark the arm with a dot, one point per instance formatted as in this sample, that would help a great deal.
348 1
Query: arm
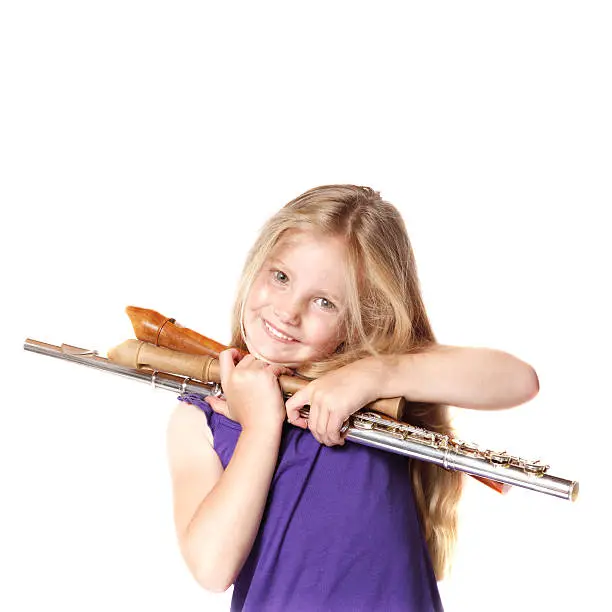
215 533
467 377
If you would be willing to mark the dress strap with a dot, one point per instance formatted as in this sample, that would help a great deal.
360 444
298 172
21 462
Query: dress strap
197 399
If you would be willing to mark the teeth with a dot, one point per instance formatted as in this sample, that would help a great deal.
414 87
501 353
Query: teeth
275 332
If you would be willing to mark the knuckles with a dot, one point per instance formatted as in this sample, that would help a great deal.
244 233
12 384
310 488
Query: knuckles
252 375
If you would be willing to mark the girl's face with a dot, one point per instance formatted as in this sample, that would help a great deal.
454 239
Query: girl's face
295 310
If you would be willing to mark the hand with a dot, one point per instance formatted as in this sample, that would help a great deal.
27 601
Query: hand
252 394
334 397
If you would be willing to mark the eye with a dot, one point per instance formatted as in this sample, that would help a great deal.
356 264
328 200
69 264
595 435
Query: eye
279 276
325 303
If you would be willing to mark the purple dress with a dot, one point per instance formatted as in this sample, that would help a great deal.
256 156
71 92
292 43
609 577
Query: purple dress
340 529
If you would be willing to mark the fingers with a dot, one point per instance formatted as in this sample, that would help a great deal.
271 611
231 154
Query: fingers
278 370
318 425
235 353
325 426
334 425
324 423
227 362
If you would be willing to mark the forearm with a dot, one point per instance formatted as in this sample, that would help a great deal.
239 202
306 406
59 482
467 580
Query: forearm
467 377
224 527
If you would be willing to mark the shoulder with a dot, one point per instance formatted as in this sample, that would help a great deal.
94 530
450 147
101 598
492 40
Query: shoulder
189 419
189 441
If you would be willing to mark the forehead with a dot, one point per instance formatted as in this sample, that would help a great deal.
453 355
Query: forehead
320 260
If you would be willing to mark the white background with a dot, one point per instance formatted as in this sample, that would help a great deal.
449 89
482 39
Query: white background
143 146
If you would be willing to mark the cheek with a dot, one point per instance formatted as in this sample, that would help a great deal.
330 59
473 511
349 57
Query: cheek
258 296
326 334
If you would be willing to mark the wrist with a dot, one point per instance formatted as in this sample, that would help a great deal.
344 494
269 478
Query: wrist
386 371
267 430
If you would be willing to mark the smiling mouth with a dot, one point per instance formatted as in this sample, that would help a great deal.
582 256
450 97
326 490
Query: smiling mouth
276 334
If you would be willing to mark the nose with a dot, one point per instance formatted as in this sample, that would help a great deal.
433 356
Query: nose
287 309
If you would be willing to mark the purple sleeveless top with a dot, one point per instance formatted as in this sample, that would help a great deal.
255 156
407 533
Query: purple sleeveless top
340 529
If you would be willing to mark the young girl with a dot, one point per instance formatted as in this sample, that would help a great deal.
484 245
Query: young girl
278 505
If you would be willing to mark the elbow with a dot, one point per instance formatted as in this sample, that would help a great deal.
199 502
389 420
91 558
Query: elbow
214 579
213 584
210 567
208 572
521 386
529 386
209 562
533 384
215 587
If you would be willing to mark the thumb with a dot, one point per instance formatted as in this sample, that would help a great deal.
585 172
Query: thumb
293 404
218 405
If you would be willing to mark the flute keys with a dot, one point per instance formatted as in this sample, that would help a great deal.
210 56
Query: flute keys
501 458
465 448
532 467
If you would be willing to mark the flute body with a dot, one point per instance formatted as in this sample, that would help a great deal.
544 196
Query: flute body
450 453
363 427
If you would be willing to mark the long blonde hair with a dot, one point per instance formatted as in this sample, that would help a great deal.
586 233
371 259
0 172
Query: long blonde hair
385 315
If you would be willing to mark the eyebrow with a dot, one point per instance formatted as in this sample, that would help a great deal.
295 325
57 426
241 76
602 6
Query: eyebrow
282 264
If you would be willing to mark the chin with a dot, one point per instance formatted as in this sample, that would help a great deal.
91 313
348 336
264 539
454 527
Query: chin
272 356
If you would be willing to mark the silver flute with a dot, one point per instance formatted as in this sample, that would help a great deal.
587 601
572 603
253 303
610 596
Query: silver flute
363 427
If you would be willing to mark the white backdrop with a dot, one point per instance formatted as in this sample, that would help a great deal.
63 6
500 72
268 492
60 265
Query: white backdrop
143 146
